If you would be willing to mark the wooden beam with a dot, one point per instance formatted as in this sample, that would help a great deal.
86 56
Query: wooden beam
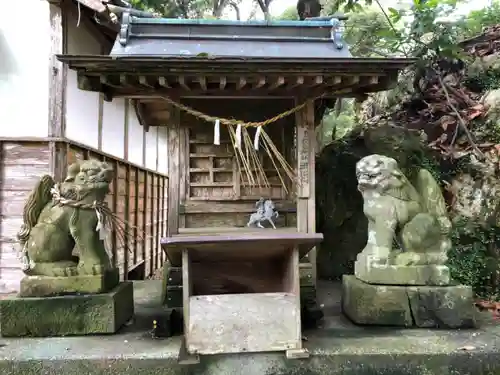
280 81
184 85
57 73
260 83
309 111
222 83
334 81
104 80
284 92
163 82
203 83
125 82
126 130
100 121
318 80
241 83
299 81
143 80
114 207
136 213
141 114
173 141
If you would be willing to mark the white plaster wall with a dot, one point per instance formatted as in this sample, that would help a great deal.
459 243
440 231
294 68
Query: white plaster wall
151 148
162 150
24 68
135 134
113 128
82 107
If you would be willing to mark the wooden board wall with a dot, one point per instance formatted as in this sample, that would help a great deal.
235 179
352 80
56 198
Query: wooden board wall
139 197
216 192
21 166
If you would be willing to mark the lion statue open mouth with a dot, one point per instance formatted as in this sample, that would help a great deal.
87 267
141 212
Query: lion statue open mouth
58 217
407 225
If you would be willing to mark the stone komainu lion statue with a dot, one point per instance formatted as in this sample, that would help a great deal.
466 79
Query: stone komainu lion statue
58 217
413 218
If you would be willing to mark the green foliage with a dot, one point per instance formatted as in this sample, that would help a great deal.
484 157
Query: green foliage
175 8
336 125
486 80
289 14
474 257
477 20
374 39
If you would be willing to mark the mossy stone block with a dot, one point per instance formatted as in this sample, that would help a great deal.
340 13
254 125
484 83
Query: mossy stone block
47 286
67 315
308 295
442 307
174 296
369 304
434 275
172 277
407 306
306 275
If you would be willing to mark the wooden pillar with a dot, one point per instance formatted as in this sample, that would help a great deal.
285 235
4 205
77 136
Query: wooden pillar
173 142
306 153
57 90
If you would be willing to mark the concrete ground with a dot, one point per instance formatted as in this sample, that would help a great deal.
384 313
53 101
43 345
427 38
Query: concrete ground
338 347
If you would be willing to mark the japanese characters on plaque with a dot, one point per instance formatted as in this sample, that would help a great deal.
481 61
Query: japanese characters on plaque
303 161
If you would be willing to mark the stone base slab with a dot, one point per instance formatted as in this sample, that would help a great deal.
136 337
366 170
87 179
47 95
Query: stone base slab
47 286
408 306
401 275
67 315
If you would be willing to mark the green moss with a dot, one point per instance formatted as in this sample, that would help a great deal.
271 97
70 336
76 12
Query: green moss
67 315
474 258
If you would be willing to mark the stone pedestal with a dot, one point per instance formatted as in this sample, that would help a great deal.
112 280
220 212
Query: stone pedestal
407 306
401 275
47 286
67 315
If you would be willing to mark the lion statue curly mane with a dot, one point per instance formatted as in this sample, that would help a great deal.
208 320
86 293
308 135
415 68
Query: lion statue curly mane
407 224
59 217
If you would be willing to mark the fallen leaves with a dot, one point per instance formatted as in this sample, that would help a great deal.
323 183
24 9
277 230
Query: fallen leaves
490 306
448 112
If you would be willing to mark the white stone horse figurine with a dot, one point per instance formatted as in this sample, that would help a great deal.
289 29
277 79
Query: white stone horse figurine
266 211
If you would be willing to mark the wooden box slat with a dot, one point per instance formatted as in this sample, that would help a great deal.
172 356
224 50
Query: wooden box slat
253 245
236 323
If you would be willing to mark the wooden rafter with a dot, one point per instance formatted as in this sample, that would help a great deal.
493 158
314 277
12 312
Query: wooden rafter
260 82
222 83
143 80
133 85
241 83
163 82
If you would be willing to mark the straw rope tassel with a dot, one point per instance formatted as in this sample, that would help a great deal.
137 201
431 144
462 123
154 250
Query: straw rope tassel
256 139
217 132
238 136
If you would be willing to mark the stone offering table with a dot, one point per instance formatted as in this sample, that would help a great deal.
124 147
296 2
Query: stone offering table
241 290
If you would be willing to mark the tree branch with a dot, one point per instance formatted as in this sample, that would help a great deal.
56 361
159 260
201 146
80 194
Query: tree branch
236 10
460 119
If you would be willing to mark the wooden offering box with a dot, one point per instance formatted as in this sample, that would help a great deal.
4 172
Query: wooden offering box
241 289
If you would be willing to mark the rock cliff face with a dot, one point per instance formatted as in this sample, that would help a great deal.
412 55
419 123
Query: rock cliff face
452 128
